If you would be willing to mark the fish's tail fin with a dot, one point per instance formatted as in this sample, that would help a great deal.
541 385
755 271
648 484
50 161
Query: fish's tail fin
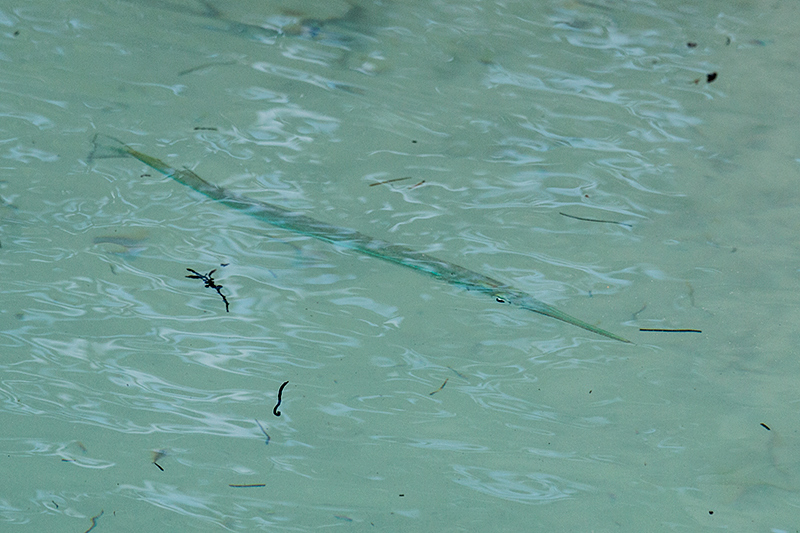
106 147
530 303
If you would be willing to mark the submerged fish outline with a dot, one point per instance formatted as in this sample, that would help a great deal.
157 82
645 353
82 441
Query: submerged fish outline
290 24
105 146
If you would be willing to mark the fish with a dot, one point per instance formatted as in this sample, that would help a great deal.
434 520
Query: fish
105 147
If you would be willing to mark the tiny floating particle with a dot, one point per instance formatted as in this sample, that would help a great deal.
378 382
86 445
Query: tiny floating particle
709 78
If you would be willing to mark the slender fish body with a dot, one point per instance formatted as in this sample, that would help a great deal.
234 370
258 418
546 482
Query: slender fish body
106 147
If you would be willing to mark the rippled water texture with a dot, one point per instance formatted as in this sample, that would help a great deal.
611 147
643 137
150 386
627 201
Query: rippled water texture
633 163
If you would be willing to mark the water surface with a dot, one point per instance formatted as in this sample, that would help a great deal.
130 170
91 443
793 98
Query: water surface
488 127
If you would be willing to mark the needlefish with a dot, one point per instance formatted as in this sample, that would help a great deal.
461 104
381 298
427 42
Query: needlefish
109 147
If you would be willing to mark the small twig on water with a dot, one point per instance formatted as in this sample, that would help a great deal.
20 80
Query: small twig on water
208 279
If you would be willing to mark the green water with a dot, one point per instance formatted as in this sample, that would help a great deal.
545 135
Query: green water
494 118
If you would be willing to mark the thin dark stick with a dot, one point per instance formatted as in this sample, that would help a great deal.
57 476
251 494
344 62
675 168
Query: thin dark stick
389 181
671 330
595 220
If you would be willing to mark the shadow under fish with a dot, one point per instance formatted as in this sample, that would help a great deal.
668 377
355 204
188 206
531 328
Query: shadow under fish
125 245
109 147
334 30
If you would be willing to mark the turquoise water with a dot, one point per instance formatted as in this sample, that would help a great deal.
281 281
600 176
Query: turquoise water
132 401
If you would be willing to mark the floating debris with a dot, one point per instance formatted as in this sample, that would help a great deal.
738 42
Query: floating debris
440 388
389 181
595 220
711 76
94 521
275 409
210 283
660 330
158 455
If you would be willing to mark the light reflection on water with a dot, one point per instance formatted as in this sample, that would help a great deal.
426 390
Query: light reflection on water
410 404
